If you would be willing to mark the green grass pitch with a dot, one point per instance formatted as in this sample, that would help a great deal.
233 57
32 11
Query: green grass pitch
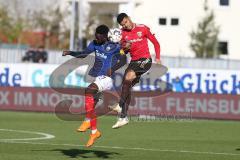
156 140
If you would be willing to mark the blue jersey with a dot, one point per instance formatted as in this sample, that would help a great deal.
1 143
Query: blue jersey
106 56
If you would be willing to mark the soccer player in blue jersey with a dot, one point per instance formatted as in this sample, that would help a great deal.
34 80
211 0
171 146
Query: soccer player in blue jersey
107 60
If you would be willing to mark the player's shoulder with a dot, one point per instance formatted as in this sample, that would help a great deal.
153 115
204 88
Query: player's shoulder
92 43
112 46
142 26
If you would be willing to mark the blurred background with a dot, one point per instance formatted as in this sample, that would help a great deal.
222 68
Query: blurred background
199 29
199 41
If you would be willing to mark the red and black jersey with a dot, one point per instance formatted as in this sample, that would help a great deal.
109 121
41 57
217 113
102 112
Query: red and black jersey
139 45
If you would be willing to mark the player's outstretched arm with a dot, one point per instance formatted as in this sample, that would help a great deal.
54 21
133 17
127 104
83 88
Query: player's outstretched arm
76 54
80 54
66 52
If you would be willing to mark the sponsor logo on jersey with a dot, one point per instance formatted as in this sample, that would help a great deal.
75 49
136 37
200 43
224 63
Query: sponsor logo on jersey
136 40
99 54
139 34
108 48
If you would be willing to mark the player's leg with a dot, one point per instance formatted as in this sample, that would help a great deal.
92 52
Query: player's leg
125 99
117 108
101 83
126 91
132 77
90 119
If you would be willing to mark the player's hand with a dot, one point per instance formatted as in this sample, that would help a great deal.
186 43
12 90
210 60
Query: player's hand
158 61
65 53
126 45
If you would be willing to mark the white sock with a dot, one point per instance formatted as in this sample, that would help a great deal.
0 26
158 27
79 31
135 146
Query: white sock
94 131
125 118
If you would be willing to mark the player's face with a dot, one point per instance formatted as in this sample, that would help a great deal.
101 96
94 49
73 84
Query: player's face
100 38
127 23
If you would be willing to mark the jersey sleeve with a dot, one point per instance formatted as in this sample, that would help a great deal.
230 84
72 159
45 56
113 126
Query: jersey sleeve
154 41
82 54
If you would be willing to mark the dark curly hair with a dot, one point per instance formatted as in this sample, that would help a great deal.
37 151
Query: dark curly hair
102 29
121 16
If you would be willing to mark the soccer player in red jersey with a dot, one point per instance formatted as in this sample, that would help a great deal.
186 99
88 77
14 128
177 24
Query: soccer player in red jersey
135 41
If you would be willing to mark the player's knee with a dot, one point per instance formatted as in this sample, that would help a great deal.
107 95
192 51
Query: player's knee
90 91
129 79
130 76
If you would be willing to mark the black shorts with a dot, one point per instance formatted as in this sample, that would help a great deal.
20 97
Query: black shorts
140 67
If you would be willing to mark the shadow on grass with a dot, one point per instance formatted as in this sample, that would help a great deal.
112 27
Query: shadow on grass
83 153
237 149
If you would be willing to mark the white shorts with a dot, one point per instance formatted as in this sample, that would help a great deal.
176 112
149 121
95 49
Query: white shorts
103 83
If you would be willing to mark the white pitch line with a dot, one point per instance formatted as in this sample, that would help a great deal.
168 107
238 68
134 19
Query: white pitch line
43 135
127 148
